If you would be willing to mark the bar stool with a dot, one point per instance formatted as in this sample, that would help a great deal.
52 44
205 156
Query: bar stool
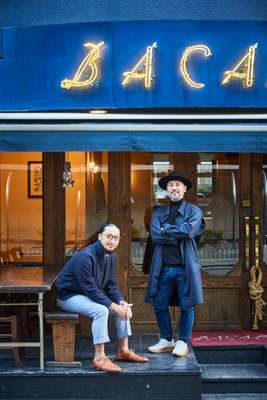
64 332
9 330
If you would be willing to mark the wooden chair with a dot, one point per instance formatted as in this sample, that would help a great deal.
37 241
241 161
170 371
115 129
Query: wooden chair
15 253
9 330
5 257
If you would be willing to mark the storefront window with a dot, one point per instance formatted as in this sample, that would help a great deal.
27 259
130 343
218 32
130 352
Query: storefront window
146 169
86 201
215 191
21 208
218 197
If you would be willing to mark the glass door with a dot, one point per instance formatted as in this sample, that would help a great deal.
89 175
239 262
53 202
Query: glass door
227 187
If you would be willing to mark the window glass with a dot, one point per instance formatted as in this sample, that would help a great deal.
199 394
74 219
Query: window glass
146 169
218 197
86 201
21 208
215 191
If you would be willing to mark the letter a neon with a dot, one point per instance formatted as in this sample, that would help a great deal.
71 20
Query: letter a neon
143 69
244 70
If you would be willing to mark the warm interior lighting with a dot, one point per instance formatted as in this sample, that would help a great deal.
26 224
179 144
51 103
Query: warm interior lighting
92 167
143 69
198 48
98 111
244 69
90 61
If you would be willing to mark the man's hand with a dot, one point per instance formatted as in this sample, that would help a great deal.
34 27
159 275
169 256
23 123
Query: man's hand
165 228
120 310
128 307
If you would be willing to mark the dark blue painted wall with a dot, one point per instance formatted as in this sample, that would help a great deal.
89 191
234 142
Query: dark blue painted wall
37 59
40 12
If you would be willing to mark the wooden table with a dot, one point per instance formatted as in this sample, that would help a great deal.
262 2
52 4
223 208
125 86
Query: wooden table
37 280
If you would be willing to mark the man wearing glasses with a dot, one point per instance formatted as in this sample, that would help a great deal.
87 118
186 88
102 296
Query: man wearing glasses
87 285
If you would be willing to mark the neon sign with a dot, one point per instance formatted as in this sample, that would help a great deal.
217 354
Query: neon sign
244 69
184 60
88 72
81 78
143 69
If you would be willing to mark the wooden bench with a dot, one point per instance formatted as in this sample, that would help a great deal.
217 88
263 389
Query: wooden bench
63 331
9 330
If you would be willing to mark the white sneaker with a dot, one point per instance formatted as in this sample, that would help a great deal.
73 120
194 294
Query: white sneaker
163 346
180 349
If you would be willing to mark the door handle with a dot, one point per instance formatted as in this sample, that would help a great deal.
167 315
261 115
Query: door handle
257 241
255 285
247 248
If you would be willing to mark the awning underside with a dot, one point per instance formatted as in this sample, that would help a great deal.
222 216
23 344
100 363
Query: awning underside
157 141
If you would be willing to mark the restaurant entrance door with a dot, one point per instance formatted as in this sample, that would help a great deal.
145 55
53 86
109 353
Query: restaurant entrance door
228 187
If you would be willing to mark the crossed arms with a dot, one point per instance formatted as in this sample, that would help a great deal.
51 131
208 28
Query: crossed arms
169 234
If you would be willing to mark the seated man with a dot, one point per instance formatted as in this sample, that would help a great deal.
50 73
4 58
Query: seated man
87 285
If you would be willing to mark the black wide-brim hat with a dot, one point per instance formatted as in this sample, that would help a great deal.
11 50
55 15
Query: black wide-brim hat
174 176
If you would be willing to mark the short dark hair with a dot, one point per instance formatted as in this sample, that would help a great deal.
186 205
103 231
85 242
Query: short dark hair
106 225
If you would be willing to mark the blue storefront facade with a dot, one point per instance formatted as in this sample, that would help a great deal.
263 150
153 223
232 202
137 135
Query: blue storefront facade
122 93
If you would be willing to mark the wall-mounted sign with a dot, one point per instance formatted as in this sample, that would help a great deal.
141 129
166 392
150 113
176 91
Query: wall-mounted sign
89 70
35 179
135 64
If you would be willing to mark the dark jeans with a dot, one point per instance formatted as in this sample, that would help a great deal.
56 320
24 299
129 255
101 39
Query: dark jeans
170 279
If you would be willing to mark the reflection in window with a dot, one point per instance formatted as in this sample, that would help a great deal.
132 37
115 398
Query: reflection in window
86 201
217 196
21 208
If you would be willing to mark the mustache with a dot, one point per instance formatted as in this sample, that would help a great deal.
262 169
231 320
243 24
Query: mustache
168 195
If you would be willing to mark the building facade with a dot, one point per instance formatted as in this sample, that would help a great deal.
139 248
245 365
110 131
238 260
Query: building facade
99 99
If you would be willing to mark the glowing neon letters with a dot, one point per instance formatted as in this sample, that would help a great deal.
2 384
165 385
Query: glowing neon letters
244 70
183 65
81 77
143 69
88 72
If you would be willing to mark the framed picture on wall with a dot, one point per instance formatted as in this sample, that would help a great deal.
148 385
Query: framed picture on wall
35 179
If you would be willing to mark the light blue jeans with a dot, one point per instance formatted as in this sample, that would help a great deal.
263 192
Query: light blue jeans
100 314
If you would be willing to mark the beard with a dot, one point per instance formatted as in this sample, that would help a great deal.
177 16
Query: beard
109 251
175 196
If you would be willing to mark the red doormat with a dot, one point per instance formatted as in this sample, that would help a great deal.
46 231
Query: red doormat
228 338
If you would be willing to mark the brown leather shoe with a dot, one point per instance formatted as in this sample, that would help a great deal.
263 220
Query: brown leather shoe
106 365
131 356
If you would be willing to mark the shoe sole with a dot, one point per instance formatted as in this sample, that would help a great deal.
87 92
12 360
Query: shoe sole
131 361
107 371
165 350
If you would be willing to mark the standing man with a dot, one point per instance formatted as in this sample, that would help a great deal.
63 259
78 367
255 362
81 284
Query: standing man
87 285
175 271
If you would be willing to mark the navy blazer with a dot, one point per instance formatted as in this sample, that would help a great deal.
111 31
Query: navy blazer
83 274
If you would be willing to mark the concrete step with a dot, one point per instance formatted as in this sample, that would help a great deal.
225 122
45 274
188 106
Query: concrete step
234 378
164 378
234 396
